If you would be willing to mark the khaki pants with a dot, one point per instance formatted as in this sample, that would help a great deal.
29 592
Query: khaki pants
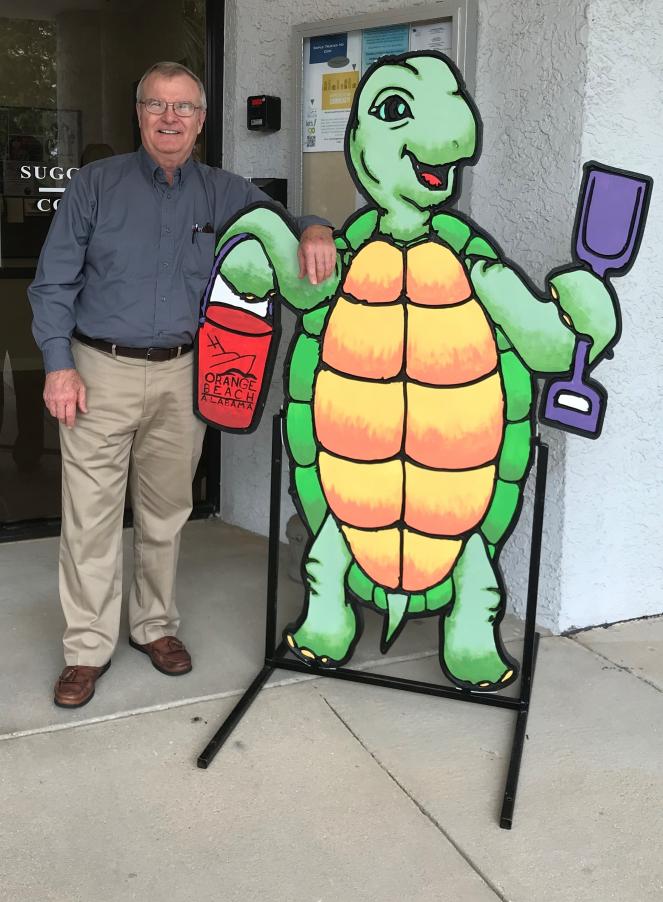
140 425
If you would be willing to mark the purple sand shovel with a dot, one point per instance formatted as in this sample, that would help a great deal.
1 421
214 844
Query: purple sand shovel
611 216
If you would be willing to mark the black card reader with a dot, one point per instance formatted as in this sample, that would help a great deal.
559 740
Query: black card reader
263 113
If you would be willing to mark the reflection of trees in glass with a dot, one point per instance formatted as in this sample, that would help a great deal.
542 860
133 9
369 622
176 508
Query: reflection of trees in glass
27 63
193 36
56 131
25 123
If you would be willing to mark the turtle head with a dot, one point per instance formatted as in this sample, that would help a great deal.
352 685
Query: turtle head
411 127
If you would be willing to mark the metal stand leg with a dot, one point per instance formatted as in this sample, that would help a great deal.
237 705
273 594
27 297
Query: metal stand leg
246 700
279 657
229 724
506 817
531 643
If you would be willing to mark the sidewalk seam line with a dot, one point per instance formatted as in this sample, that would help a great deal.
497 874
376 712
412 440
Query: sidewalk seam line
427 814
200 699
152 709
622 667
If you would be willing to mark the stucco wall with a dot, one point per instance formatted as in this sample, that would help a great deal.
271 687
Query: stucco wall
612 564
533 91
530 70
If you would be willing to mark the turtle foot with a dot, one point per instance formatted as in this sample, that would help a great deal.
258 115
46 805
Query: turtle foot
324 648
509 676
481 670
306 655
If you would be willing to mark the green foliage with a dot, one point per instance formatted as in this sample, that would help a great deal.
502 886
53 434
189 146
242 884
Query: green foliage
28 55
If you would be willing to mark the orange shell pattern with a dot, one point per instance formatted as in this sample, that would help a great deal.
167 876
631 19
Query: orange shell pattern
409 412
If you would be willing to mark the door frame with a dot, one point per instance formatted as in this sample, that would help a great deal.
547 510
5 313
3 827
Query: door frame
43 527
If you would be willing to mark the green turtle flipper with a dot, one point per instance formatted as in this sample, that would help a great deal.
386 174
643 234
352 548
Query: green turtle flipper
471 654
247 269
328 630
531 323
589 303
280 243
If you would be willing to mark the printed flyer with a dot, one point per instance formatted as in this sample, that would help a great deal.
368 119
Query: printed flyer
334 63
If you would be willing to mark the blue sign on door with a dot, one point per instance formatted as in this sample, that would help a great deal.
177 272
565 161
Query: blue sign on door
327 47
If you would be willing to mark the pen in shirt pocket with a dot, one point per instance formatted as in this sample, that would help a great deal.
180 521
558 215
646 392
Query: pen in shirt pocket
207 229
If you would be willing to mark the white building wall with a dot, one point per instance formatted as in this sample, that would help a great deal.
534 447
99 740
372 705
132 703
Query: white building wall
612 562
530 70
531 76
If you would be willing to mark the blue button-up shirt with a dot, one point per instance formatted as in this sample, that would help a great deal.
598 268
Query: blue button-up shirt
124 260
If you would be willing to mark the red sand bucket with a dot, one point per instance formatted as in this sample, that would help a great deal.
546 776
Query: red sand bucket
235 349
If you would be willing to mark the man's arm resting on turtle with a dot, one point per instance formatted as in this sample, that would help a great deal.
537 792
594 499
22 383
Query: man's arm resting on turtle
316 253
543 330
288 259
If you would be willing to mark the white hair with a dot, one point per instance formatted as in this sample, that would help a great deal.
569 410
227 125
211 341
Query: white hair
169 70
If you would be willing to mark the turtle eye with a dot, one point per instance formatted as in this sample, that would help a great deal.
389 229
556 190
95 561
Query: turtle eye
392 109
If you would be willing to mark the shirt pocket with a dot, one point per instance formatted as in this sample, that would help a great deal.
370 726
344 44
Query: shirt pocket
197 263
199 256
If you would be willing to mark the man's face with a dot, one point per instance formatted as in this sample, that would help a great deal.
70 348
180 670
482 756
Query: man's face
169 138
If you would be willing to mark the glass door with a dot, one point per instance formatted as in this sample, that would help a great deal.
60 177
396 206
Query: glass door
68 76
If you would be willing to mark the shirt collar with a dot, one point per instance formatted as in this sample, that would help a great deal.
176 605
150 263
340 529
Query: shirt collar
155 174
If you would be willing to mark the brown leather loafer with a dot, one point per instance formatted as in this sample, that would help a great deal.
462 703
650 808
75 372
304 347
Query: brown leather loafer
167 654
75 685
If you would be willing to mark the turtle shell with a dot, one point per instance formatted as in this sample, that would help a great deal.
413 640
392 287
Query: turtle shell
408 412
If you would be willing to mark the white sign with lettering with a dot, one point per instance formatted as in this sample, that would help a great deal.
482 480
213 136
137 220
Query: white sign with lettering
41 180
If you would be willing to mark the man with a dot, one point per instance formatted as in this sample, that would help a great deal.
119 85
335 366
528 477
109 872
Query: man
115 303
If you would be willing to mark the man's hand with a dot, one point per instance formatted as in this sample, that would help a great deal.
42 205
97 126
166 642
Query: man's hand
316 253
64 392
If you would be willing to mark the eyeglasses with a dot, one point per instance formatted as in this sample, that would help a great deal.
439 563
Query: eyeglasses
183 108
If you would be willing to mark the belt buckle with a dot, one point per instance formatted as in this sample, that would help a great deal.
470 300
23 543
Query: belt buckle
148 353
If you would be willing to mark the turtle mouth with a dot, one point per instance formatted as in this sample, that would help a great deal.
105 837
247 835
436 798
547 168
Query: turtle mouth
435 178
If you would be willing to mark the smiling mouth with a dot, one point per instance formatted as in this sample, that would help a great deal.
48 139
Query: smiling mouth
168 131
435 178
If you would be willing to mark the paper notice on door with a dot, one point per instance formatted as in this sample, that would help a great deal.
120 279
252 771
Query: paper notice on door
431 36
331 75
387 41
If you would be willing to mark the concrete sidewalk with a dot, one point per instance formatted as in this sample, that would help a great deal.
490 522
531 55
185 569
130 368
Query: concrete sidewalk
327 791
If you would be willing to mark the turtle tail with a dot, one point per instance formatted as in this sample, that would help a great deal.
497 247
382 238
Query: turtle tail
397 603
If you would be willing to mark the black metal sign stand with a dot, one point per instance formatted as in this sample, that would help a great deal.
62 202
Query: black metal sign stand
280 658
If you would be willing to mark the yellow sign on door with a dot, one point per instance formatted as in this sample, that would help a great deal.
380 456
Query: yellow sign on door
338 89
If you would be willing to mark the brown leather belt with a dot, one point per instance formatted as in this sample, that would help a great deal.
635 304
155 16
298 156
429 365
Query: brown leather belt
157 354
